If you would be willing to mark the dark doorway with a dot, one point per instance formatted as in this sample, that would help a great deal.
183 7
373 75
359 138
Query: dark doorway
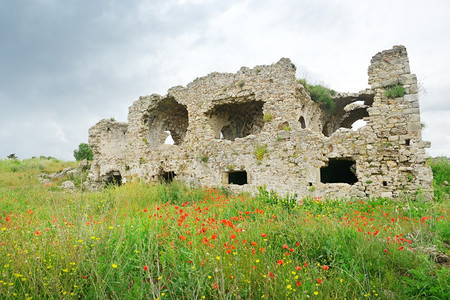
339 171
113 178
238 177
167 177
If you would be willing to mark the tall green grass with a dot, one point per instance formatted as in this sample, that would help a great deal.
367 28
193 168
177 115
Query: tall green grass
141 241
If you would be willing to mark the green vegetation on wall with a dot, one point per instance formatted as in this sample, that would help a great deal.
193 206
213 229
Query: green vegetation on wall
260 151
320 94
394 91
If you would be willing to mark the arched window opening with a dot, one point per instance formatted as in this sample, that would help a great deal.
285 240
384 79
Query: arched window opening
236 120
348 110
302 122
167 122
345 121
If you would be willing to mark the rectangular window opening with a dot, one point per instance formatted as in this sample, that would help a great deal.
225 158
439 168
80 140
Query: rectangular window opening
407 142
384 183
237 177
339 171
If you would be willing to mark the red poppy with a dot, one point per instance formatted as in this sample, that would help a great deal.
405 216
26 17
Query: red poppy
298 268
280 262
233 236
182 238
285 246
263 234
298 283
325 267
319 280
145 268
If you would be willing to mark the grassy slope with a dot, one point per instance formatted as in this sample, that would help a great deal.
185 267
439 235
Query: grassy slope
157 241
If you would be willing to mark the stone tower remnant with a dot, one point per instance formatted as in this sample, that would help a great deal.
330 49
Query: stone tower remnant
260 127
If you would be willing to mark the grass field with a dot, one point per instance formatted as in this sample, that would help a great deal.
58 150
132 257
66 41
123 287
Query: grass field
141 241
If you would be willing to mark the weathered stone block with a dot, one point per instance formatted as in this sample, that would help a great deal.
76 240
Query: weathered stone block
408 79
411 98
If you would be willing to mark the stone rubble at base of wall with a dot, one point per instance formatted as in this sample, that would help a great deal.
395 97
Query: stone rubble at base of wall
261 124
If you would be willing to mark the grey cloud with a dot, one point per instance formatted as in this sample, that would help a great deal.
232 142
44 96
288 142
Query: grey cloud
75 62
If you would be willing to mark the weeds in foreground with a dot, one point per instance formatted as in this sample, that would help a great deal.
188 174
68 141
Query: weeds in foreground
167 241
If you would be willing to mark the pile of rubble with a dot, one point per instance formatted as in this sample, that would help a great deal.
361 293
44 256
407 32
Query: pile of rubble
66 173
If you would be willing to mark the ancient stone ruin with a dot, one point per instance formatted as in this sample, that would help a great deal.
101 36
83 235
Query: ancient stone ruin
260 127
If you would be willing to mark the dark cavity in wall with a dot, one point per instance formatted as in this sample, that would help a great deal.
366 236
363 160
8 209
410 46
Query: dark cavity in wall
237 177
348 111
169 118
167 177
339 171
302 122
236 120
112 178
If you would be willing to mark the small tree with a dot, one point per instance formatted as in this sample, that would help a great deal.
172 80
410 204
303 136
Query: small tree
83 152
12 156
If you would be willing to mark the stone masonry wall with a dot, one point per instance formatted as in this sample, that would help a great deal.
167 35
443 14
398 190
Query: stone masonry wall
260 127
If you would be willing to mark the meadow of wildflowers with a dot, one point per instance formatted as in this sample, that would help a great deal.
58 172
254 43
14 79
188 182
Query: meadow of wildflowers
160 241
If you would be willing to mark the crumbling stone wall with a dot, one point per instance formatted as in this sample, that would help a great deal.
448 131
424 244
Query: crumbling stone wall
260 127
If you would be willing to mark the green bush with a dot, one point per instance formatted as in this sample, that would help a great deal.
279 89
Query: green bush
394 91
268 117
83 152
321 94
260 151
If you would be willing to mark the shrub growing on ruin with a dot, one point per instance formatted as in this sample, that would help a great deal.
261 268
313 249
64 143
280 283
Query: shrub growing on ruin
267 117
395 91
260 151
84 151
321 94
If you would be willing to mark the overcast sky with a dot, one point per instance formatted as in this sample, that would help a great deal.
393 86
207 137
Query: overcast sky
64 65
